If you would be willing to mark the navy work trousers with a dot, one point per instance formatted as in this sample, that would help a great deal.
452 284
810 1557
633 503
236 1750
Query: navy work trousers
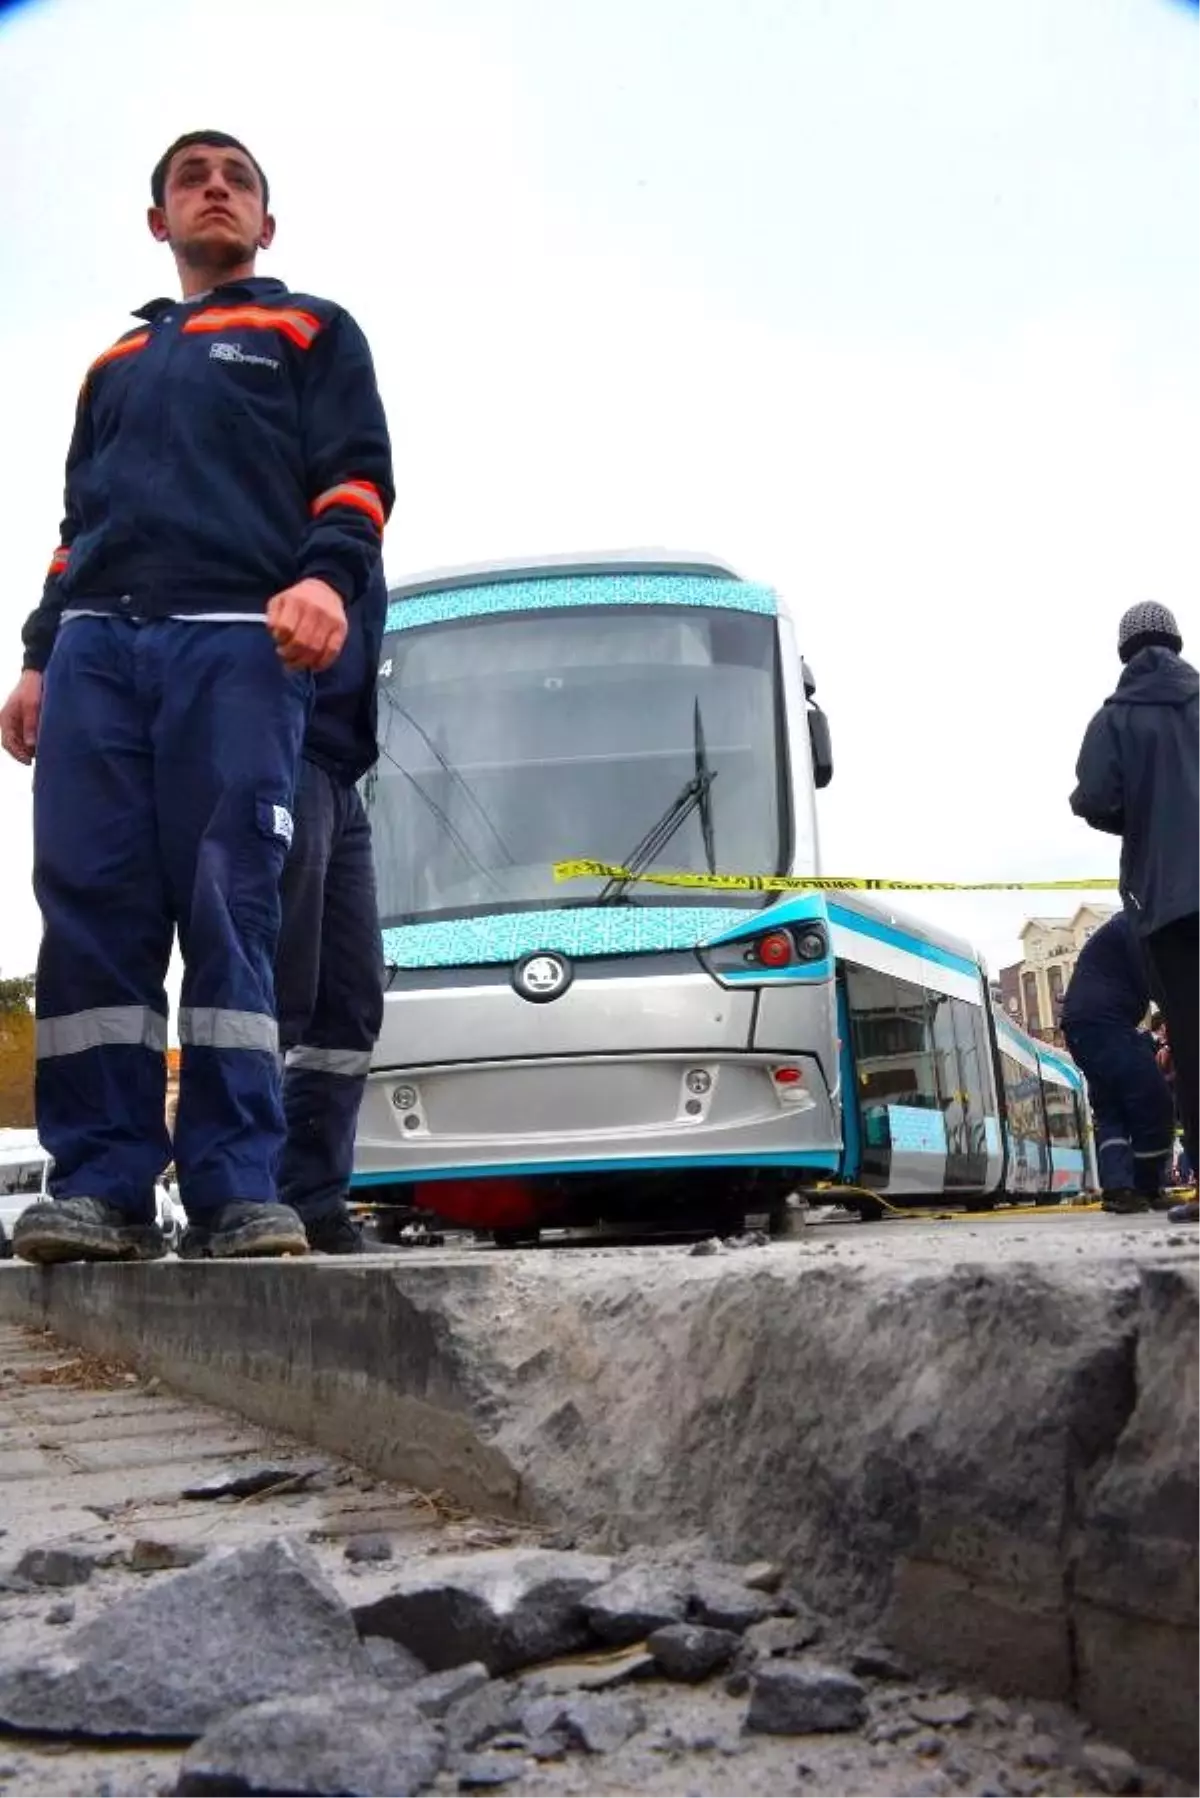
1174 954
1132 1111
329 980
166 763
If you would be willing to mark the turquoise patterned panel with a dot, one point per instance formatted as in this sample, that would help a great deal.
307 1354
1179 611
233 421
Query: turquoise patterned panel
581 590
507 936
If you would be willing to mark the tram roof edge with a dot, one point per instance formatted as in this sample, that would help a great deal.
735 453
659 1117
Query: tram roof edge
625 561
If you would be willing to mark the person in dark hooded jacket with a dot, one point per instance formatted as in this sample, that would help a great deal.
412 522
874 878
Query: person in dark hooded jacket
1139 777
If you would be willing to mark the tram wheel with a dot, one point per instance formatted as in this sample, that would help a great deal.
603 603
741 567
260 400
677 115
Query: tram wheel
869 1210
516 1239
981 1202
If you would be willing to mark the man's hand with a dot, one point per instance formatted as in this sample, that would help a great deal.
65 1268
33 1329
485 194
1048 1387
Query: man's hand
19 717
308 623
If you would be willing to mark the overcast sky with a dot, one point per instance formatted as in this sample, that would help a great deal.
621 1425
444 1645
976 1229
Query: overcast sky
892 303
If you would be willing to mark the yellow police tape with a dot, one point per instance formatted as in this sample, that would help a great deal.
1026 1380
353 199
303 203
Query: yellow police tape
821 883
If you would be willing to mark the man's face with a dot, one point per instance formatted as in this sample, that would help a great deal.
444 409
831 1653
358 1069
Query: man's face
213 214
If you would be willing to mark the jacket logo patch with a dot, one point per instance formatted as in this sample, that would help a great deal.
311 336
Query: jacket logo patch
233 352
281 819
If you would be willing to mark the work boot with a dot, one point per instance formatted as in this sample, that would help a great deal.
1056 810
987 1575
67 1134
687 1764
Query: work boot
1159 1201
84 1230
1123 1200
335 1233
243 1228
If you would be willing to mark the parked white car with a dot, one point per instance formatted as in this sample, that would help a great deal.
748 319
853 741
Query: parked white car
24 1175
24 1170
172 1218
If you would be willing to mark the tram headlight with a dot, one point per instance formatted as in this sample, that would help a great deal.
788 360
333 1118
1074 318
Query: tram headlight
812 943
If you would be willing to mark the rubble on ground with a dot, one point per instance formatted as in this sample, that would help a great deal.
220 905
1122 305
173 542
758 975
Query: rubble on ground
512 1670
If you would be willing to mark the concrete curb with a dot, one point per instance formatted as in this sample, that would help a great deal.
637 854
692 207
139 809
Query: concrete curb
992 1459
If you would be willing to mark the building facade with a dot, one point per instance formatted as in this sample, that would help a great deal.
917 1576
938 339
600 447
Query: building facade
1032 990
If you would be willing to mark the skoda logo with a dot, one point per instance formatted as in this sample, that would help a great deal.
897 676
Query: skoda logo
542 976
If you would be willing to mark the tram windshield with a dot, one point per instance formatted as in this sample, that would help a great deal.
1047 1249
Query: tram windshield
513 741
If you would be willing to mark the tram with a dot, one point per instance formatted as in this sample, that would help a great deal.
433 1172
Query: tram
609 1050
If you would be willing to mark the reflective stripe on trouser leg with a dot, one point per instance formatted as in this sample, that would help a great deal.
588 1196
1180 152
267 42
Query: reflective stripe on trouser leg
350 1063
230 727
100 1080
210 1027
131 1026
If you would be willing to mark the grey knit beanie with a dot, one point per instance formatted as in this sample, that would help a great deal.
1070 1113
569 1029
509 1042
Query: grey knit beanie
1145 625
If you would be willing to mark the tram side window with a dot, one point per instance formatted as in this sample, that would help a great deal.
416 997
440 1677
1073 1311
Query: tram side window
892 1029
1022 1093
1062 1116
965 1086
967 1090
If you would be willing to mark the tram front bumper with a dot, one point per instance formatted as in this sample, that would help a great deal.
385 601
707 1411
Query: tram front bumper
590 1112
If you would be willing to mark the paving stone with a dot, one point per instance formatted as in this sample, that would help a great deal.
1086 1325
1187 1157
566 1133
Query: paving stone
597 1722
392 1663
475 1718
61 1613
368 1549
1042 1751
692 1651
723 1602
877 1662
762 1576
485 1772
944 1710
434 1694
639 1600
56 1566
173 1657
781 1635
508 1608
926 1785
1111 1769
351 1739
790 1699
149 1556
891 1729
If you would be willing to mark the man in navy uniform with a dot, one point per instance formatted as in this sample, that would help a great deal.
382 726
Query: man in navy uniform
228 482
1139 777
329 969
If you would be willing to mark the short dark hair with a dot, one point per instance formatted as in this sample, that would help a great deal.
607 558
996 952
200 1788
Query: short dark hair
221 140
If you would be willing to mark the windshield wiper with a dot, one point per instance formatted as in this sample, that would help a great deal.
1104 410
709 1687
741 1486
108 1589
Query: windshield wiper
705 775
692 797
448 767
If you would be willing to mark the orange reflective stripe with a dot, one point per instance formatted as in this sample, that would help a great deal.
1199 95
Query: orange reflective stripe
125 347
59 559
300 327
362 494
